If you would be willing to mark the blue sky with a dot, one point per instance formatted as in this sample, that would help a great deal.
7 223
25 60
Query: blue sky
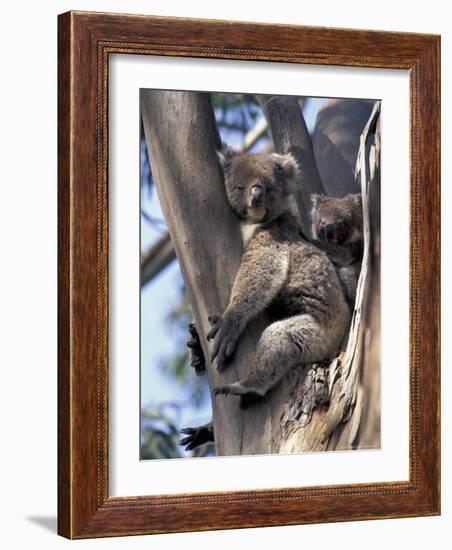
159 338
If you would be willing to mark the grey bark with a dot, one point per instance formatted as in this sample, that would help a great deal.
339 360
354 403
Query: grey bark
347 414
182 139
335 141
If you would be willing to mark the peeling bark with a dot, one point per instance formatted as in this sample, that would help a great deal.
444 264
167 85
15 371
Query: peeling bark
352 417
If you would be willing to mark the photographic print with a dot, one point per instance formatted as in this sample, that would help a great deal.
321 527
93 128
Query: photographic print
222 257
260 274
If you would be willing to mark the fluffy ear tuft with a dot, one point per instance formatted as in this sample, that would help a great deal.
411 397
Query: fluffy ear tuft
287 165
225 154
355 200
316 199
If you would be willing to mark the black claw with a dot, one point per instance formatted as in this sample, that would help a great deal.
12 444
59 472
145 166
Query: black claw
221 390
197 359
214 321
196 436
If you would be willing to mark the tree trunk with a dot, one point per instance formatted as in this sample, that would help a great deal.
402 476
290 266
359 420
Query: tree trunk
335 142
182 140
181 137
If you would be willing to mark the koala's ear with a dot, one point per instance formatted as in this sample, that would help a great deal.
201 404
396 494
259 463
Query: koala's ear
287 165
355 200
316 199
225 154
357 207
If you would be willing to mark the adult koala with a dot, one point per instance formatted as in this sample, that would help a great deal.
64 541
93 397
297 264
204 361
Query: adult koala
281 272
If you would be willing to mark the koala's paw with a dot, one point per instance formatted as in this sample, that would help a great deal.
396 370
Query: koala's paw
197 436
215 323
225 341
226 389
197 359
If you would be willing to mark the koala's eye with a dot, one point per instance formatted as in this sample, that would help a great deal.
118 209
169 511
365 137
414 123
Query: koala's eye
322 223
238 188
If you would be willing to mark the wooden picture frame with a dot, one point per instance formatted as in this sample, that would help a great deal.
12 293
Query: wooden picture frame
85 42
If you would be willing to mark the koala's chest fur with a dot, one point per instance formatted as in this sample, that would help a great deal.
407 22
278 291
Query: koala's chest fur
248 230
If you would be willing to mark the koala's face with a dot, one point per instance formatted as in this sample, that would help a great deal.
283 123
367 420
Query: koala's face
258 186
336 220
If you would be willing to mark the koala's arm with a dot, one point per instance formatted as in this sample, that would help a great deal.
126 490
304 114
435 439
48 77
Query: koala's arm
342 255
262 273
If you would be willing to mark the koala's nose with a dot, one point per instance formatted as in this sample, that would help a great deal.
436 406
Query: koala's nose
256 194
329 231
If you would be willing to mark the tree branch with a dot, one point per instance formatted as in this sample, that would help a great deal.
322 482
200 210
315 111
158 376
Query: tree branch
254 134
290 134
156 258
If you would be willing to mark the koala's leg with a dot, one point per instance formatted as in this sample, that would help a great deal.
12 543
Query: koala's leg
283 345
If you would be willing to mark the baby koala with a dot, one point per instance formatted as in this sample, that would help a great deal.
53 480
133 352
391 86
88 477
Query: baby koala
337 229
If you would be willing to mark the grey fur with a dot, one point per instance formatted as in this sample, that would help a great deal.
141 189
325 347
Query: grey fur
343 242
281 272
